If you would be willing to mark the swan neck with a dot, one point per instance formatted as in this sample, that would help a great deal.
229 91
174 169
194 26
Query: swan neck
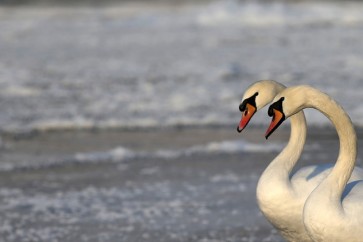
295 146
342 170
286 160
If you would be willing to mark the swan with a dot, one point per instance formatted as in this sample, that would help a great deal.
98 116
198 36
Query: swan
333 211
280 194
257 96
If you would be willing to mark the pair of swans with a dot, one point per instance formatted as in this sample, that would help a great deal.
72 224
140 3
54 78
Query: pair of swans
315 203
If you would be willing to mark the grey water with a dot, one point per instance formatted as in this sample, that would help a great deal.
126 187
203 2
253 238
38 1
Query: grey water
206 195
118 121
135 65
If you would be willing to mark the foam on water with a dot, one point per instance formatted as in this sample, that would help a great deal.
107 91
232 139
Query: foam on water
224 147
120 154
280 14
124 207
144 66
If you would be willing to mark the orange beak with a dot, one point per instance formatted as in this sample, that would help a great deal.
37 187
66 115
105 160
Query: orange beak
246 117
277 119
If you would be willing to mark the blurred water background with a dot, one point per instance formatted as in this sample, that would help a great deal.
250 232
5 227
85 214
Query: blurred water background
142 65
118 117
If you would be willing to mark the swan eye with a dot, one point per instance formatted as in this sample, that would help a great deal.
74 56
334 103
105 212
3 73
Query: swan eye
276 105
251 100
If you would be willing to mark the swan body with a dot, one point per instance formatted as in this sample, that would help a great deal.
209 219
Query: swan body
333 211
281 195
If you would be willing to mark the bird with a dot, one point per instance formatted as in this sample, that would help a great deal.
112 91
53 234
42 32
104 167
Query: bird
257 96
333 211
281 194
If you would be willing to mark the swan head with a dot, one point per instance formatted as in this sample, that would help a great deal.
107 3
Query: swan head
258 95
285 104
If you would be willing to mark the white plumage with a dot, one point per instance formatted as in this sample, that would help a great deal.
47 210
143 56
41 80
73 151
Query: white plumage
281 195
334 210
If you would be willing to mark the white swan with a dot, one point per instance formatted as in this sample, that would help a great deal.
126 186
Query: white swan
257 96
281 195
334 210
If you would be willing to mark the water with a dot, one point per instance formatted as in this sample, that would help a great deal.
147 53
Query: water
54 187
139 103
142 66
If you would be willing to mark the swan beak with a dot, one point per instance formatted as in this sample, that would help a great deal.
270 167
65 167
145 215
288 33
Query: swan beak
277 118
246 117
